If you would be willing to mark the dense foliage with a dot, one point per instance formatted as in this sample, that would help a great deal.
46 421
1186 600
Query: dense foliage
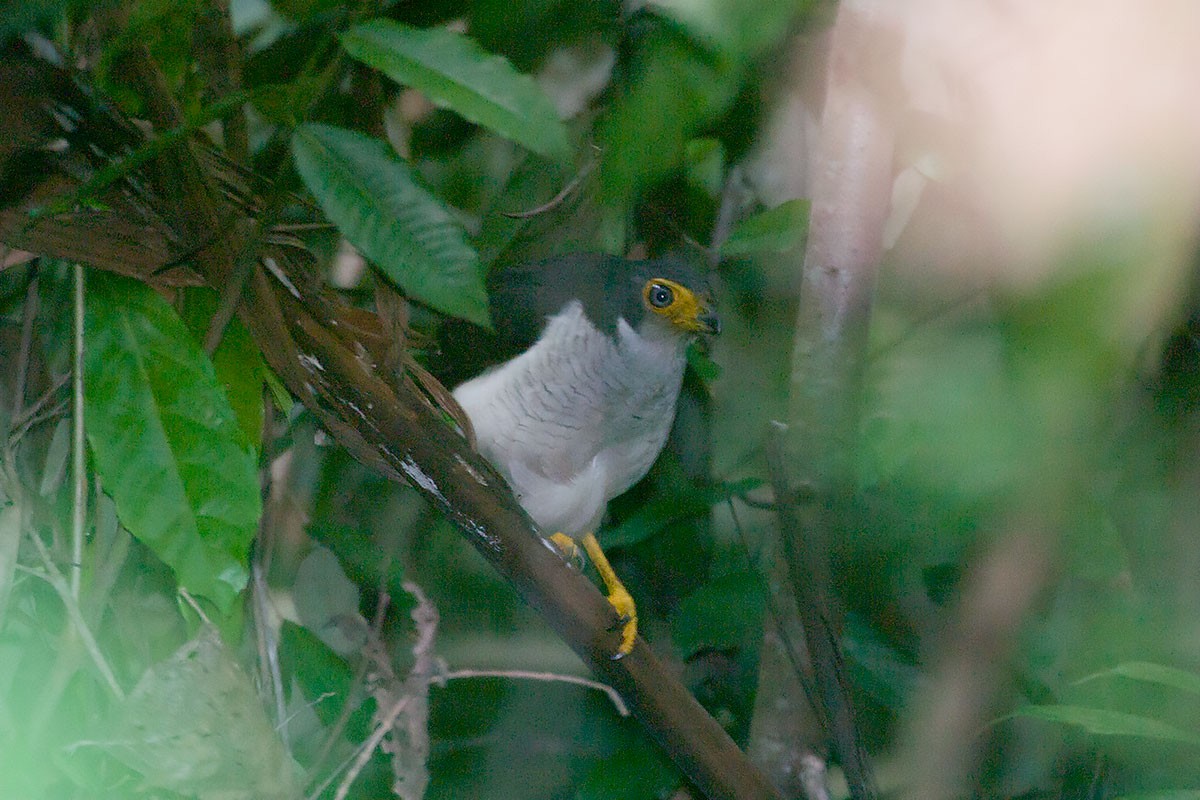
243 607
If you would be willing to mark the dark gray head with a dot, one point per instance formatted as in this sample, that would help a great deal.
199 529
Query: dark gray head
609 288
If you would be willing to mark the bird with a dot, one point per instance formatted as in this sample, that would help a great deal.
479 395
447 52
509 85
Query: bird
581 411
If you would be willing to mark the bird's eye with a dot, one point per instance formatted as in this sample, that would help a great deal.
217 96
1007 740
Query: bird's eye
660 296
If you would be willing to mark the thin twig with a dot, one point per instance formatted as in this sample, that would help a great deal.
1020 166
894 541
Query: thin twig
731 198
191 601
571 186
316 701
368 747
785 722
106 559
55 578
319 790
28 313
268 648
334 734
33 419
12 523
78 454
810 583
520 674
292 227
793 653
26 415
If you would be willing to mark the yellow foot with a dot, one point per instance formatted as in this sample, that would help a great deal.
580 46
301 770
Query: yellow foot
566 545
618 595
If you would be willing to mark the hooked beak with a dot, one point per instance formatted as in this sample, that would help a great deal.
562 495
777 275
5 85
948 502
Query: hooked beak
710 323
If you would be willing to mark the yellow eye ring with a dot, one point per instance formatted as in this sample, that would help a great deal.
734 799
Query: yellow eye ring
677 303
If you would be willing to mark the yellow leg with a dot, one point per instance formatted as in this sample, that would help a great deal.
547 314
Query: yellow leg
566 545
618 595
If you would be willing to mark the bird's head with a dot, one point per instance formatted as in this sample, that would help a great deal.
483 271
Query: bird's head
667 296
684 309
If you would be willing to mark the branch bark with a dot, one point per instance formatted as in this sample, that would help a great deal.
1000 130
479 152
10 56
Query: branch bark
851 167
315 344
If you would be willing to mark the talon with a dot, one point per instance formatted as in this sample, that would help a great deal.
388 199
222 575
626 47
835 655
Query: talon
618 596
621 600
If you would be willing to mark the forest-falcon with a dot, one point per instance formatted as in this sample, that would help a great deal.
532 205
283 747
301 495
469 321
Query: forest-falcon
581 413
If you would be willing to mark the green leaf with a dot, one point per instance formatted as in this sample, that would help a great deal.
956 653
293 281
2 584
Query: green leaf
1104 722
1168 794
707 369
704 164
722 614
1150 673
326 680
165 442
327 602
635 770
740 30
454 72
662 511
674 89
57 453
877 668
781 229
305 10
651 519
17 18
380 205
238 361
195 725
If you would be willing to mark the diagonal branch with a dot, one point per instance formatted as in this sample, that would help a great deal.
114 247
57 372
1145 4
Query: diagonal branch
308 338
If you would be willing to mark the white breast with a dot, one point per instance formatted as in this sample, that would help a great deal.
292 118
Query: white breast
578 418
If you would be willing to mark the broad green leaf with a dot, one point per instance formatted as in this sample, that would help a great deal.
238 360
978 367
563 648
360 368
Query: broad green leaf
877 667
165 442
380 205
325 678
1169 794
454 72
10 541
57 453
327 602
781 229
305 10
704 164
570 225
674 89
28 15
637 769
1150 673
659 513
1104 722
704 366
723 613
238 361
194 724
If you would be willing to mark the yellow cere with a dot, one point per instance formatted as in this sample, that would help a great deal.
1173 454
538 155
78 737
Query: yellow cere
686 309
